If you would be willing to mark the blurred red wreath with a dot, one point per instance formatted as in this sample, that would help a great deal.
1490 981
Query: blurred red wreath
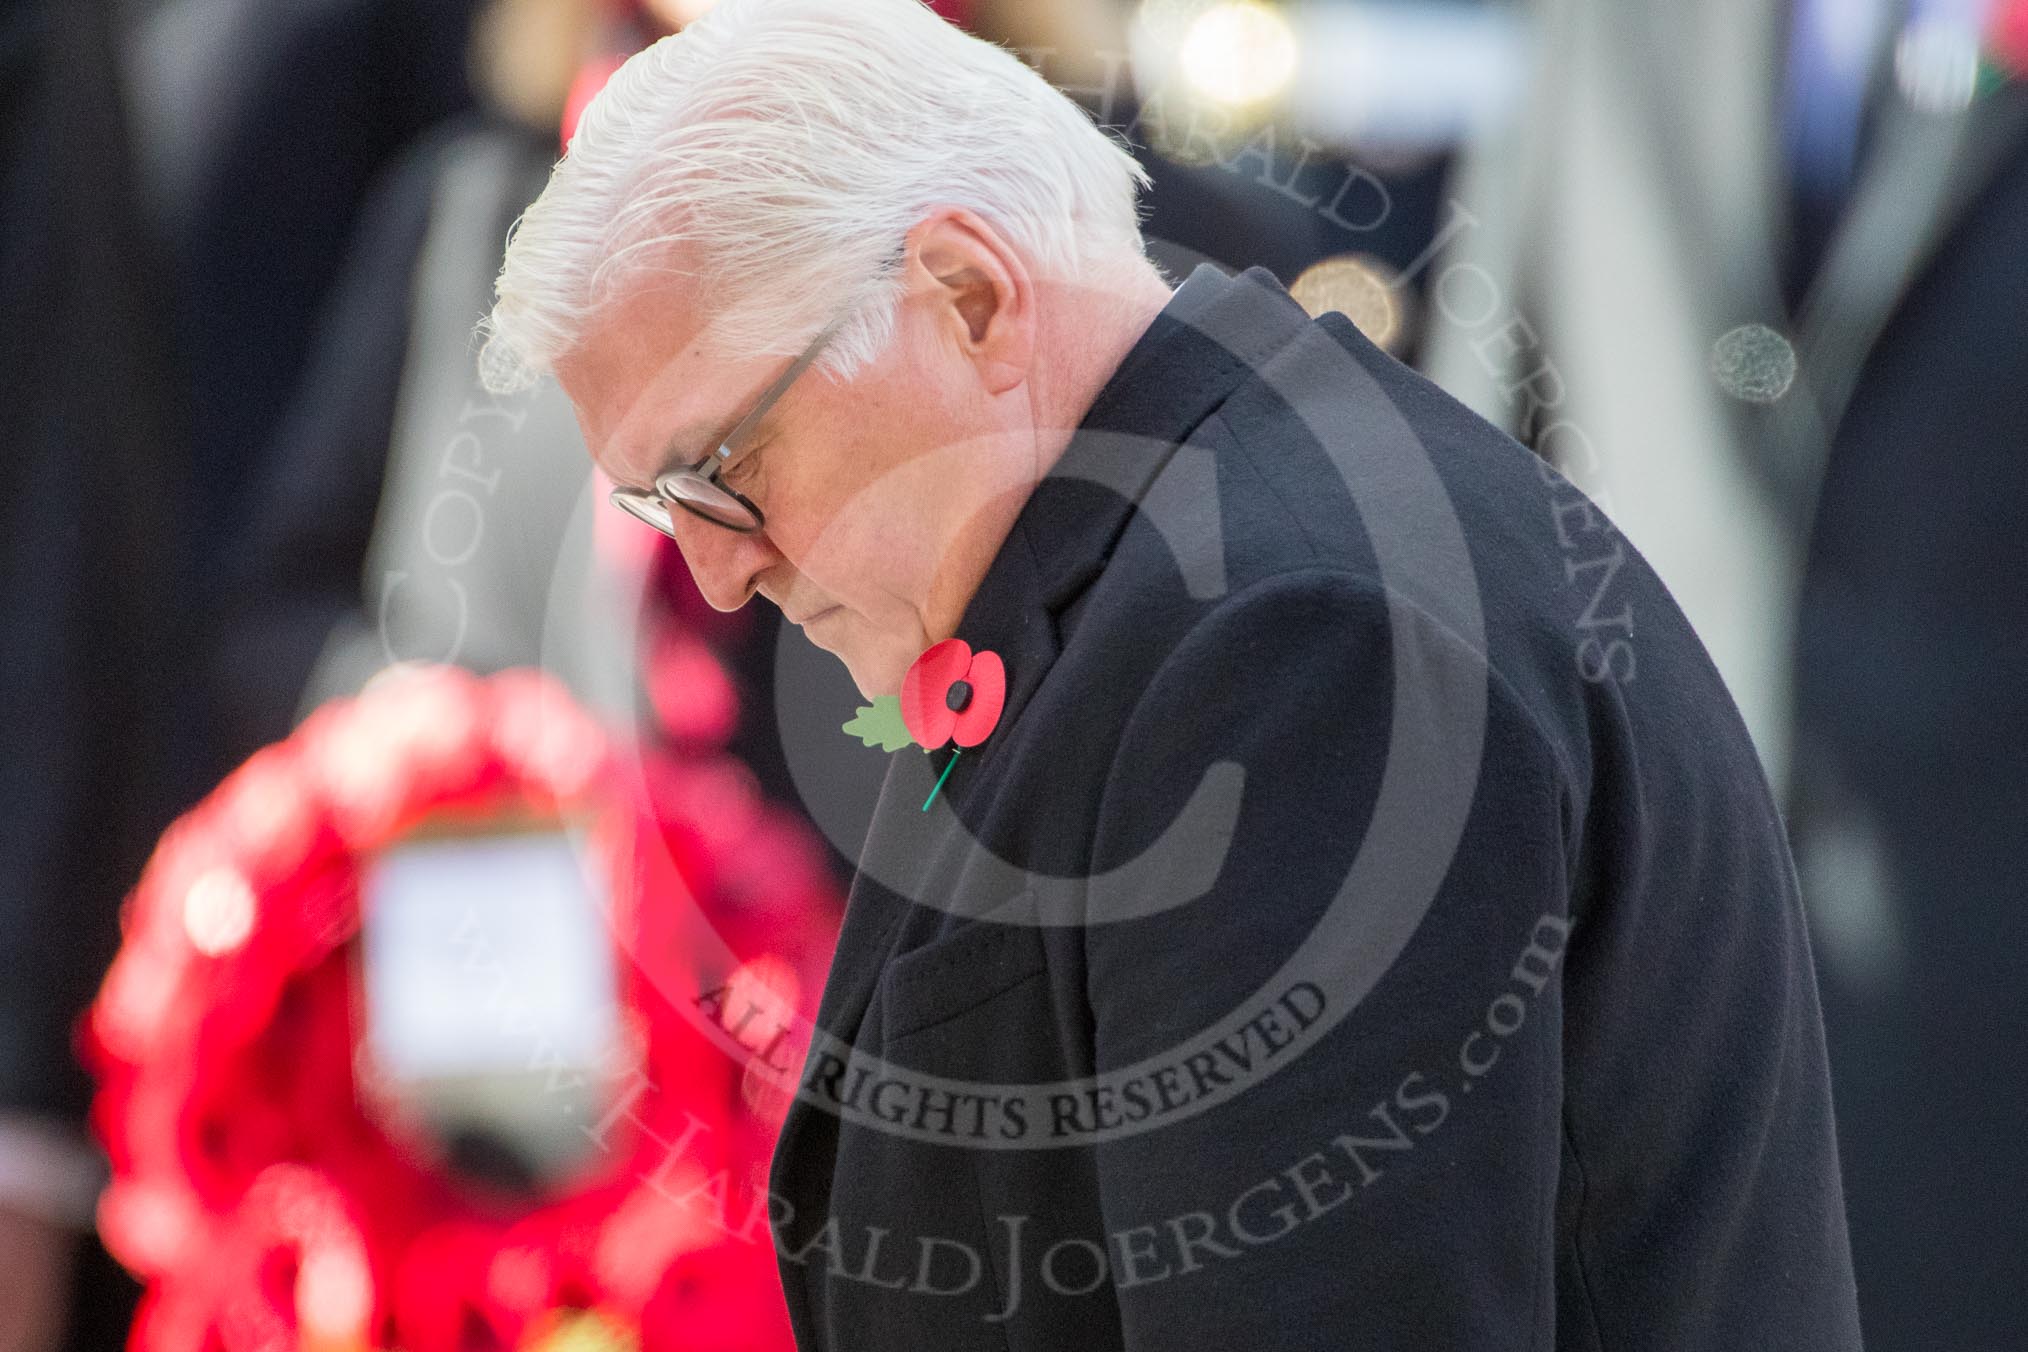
264 1207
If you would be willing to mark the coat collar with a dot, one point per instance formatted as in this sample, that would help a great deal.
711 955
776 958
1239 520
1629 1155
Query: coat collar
1211 335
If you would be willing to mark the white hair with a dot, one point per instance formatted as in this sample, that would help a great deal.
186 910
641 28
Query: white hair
789 146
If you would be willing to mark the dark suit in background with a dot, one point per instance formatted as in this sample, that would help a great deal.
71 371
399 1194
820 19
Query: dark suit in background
90 493
264 127
1849 539
1912 727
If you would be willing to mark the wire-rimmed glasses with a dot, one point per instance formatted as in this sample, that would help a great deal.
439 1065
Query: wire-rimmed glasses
699 489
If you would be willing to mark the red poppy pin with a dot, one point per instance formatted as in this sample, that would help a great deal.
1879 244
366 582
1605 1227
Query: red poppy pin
949 694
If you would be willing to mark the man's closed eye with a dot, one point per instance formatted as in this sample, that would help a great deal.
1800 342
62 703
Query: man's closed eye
740 473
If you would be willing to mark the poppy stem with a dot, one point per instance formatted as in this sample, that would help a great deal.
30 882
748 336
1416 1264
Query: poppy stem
959 751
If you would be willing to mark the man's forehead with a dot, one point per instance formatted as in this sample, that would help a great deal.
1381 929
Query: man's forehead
643 387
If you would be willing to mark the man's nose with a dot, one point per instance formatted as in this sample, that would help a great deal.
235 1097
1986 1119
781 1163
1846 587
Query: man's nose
726 564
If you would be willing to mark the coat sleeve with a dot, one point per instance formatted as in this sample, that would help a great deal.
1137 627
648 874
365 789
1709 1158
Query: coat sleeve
1347 1168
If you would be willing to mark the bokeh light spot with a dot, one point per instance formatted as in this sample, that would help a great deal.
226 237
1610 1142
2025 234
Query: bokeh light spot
1361 288
1936 65
218 912
1753 363
1239 53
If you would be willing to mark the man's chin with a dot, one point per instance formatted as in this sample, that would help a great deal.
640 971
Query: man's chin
876 674
872 687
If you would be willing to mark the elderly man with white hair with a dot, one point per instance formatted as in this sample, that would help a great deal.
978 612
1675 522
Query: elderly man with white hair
1330 900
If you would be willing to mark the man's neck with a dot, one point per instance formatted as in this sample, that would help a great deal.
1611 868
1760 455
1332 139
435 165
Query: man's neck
1094 334
1087 337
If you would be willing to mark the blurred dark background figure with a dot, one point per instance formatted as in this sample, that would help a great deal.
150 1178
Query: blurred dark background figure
91 484
1911 686
1761 287
261 127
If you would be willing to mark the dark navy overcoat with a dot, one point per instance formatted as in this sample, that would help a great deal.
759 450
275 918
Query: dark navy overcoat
1367 925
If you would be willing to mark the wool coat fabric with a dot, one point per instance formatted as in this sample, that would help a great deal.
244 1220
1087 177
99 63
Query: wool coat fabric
1366 926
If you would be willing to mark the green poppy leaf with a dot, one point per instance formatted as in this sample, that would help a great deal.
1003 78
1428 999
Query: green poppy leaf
879 724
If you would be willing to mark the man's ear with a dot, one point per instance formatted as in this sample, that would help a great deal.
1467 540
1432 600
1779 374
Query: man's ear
979 294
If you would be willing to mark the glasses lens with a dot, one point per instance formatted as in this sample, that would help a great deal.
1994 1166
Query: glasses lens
699 495
644 507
